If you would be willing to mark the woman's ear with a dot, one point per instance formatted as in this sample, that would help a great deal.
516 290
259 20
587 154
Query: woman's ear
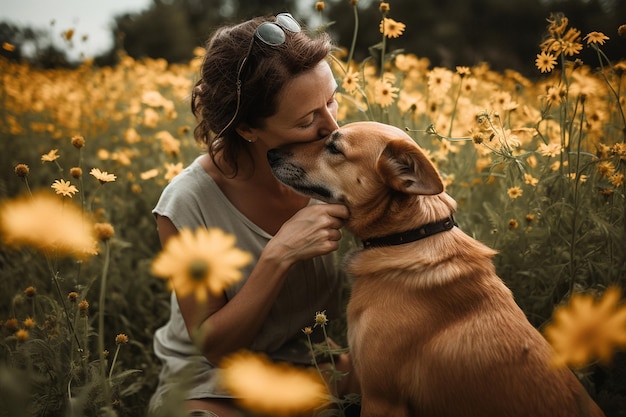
246 132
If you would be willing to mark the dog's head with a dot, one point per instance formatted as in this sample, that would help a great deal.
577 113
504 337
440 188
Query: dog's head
373 168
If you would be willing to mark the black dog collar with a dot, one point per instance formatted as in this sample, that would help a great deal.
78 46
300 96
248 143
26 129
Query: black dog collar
411 235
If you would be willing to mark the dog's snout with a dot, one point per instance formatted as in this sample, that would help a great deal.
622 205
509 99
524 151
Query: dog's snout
274 156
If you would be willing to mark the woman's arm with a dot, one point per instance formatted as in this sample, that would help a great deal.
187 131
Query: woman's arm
228 326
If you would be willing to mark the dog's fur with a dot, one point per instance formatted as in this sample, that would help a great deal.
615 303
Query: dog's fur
433 331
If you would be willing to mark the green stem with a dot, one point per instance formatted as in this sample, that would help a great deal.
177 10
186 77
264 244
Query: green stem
456 102
575 203
615 93
117 351
354 35
103 282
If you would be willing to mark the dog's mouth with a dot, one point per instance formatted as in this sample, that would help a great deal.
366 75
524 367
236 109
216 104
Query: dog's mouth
295 177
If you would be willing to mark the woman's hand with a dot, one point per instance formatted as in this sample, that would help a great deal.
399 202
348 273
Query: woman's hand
312 231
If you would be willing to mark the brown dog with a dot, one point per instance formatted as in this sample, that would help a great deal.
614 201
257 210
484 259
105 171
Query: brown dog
433 331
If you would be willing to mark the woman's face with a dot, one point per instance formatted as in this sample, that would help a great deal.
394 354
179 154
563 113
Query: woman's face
307 110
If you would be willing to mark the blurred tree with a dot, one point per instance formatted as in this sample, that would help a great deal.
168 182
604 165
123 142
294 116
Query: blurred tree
172 29
31 42
504 33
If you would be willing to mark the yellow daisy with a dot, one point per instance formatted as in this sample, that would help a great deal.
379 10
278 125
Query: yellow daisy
545 61
514 192
149 174
64 187
390 28
596 37
45 223
294 391
102 176
50 156
384 93
550 150
587 329
199 262
350 82
172 170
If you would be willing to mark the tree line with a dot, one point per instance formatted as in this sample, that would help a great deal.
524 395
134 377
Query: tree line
504 33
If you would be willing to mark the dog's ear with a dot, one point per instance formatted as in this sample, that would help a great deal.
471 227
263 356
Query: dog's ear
403 167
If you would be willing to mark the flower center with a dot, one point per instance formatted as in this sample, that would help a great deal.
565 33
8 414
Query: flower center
198 269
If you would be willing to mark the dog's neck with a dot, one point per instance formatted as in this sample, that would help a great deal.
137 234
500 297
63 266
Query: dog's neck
412 235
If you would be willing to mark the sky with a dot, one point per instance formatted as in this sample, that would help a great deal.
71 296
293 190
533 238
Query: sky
90 18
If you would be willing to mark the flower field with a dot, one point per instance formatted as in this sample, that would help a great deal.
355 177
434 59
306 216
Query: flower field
536 165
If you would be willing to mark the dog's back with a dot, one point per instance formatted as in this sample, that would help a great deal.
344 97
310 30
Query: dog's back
455 348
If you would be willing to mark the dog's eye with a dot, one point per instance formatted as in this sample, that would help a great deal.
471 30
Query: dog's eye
332 148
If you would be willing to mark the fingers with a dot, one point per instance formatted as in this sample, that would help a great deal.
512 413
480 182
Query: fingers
337 210
334 235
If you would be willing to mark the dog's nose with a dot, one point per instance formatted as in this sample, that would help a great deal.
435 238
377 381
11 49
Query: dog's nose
273 156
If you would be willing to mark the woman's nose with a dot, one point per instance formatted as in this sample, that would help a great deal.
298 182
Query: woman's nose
329 124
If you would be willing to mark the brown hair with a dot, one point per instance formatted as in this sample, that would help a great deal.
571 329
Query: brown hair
267 69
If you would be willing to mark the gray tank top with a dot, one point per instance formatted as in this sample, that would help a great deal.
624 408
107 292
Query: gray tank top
193 200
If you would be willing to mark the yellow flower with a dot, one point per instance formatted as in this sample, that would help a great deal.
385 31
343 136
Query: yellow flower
172 170
29 323
463 71
514 192
587 329
596 37
78 141
149 174
8 47
170 145
45 223
30 291
64 187
50 156
390 28
617 179
83 307
104 231
618 149
21 170
606 168
22 335
76 172
320 318
439 81
530 180
383 7
294 391
102 176
121 339
350 82
384 93
319 6
550 150
195 262
545 61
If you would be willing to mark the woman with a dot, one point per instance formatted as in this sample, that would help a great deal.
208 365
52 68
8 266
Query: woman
264 83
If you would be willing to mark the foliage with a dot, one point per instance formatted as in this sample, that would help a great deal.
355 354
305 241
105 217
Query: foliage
537 168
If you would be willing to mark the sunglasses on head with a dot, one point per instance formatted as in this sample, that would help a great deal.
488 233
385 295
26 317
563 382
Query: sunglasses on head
270 33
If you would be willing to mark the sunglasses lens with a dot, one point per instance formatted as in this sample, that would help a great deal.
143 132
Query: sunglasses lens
270 33
286 21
